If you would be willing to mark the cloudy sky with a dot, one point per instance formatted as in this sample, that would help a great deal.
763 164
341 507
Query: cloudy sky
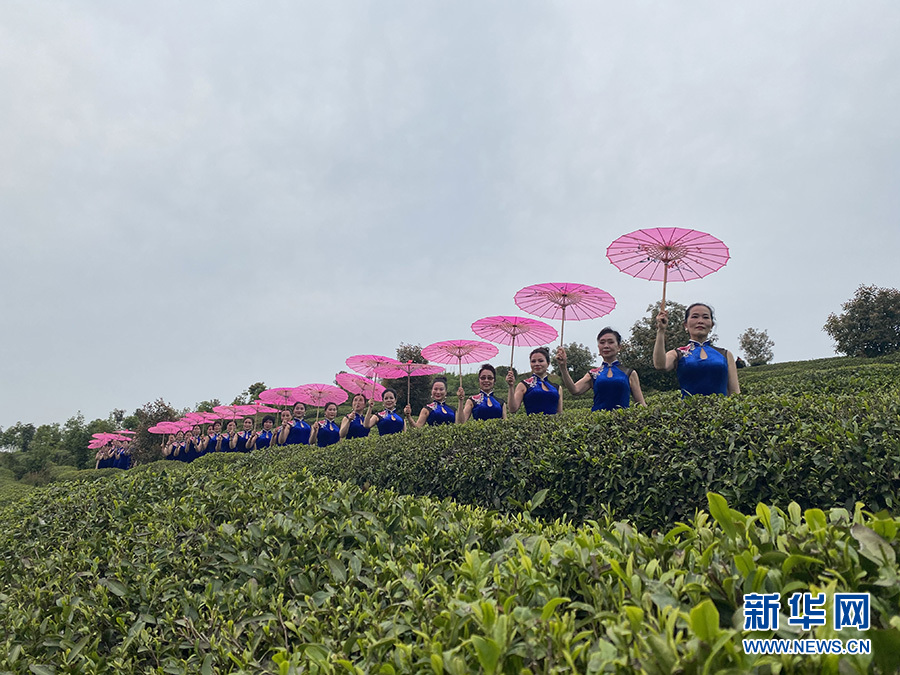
198 196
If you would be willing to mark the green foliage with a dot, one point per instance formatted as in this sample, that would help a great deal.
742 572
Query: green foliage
579 360
637 351
18 436
757 346
249 394
869 324
233 564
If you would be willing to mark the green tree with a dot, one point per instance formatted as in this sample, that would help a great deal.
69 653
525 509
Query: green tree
757 346
869 324
249 394
146 446
18 436
420 387
579 360
637 352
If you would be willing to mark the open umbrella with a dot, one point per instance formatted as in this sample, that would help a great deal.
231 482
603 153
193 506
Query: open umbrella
667 254
357 384
366 364
280 396
461 351
514 330
575 302
409 369
320 394
229 412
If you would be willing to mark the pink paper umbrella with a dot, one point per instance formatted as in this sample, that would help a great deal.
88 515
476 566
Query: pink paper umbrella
321 394
668 254
461 351
126 431
514 330
357 384
575 302
409 370
280 396
366 364
258 407
229 411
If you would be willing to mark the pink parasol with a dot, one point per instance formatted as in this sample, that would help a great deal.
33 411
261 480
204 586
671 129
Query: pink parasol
409 370
357 384
667 254
126 431
366 364
461 351
514 330
229 412
320 394
258 407
576 302
280 395
165 428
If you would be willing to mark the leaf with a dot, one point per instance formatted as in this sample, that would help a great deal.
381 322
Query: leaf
488 653
815 518
705 621
796 559
886 649
718 507
539 498
872 546
551 605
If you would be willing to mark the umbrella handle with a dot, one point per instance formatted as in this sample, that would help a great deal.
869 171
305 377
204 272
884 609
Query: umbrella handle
407 388
662 307
460 370
562 330
511 352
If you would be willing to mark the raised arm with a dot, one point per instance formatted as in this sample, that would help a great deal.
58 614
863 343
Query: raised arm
662 359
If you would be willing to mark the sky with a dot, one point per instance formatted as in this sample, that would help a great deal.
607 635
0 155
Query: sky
198 196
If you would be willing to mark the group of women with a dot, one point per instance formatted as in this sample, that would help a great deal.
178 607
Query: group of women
117 455
701 369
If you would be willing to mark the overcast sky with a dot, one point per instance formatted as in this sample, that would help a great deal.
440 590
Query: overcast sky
198 196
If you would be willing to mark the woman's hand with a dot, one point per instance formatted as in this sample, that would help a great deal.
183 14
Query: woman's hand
407 410
561 357
460 393
662 320
510 378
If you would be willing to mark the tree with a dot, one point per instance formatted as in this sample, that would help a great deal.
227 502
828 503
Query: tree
144 445
757 346
869 324
637 352
420 387
579 360
249 394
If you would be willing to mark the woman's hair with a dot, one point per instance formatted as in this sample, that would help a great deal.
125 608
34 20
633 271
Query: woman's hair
488 366
268 418
608 331
294 407
388 390
687 312
540 350
439 378
329 404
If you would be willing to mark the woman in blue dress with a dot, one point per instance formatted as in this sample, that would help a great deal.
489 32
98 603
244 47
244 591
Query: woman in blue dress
536 392
483 405
239 440
192 444
354 423
437 412
613 385
294 431
388 420
262 438
702 369
212 441
326 432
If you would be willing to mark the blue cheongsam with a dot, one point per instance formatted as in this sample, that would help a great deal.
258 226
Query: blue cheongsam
241 443
389 422
210 447
538 401
264 440
191 450
486 406
611 387
329 433
299 433
440 413
356 428
699 376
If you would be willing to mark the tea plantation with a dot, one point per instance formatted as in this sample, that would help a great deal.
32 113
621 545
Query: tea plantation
610 542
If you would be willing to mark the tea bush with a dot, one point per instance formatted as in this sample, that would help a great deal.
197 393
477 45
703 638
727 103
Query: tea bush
231 567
